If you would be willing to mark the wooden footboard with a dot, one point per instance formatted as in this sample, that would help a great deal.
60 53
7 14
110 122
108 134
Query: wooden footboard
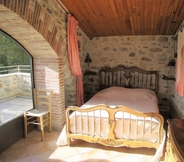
119 126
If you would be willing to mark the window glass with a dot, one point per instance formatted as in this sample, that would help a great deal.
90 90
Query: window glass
16 78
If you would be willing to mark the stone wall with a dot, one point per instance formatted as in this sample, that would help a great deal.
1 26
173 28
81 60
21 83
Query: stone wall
177 107
9 86
145 52
24 85
13 85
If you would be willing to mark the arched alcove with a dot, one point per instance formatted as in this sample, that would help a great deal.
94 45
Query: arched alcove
30 24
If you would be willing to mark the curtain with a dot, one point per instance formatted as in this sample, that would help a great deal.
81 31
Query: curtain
73 54
180 87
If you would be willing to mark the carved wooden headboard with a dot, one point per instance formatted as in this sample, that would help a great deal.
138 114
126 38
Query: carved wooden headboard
131 77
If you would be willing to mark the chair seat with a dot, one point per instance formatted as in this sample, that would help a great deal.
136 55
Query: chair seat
36 112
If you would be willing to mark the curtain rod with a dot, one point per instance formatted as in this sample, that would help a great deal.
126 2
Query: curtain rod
63 7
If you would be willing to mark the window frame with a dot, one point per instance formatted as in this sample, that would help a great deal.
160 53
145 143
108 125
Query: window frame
30 61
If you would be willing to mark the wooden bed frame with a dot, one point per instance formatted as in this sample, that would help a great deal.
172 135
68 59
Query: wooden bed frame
123 77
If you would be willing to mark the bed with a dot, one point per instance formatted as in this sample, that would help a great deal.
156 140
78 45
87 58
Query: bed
123 113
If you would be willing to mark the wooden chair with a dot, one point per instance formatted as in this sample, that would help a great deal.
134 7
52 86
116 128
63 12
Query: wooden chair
41 115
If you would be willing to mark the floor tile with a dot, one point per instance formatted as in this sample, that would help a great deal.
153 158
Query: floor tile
75 158
15 154
96 154
2 157
32 149
65 152
37 148
17 145
44 156
26 159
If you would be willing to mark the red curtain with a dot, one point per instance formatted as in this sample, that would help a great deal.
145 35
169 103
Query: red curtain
180 87
73 54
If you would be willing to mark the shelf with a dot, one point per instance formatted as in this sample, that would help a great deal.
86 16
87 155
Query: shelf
88 72
169 79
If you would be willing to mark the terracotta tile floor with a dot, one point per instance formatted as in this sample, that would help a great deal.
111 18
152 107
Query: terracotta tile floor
32 149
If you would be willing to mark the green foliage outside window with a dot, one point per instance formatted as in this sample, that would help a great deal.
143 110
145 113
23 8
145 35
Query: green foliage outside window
11 54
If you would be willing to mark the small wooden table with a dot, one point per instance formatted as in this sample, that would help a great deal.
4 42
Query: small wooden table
175 141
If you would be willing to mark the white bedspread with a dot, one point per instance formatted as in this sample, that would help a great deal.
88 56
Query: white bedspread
142 100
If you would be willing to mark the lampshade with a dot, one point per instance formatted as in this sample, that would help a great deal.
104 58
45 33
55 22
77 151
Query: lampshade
88 59
171 63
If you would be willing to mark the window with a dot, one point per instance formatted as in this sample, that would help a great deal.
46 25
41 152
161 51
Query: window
16 78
